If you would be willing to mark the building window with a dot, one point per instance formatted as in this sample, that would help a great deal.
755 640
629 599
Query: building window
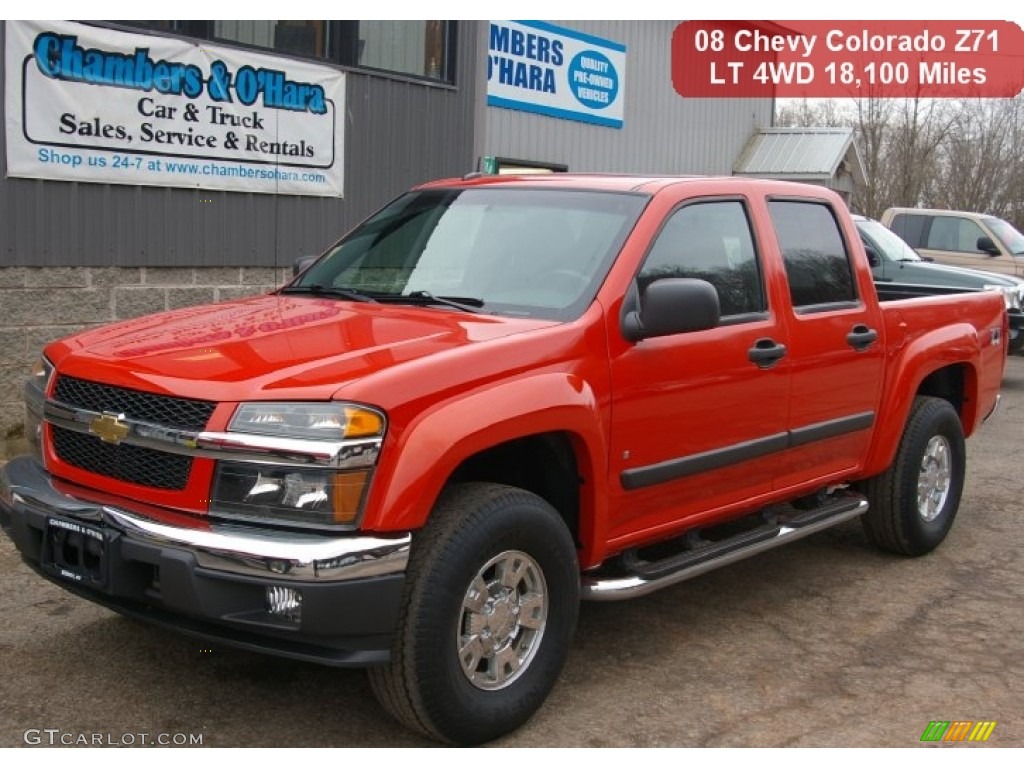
418 48
411 47
303 38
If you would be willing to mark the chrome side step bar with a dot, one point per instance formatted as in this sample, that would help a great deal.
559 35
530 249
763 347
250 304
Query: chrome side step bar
645 578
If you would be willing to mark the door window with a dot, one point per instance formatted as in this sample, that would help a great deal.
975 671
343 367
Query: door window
949 233
711 241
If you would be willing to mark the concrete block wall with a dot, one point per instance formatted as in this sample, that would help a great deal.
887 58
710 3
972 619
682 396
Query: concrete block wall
40 304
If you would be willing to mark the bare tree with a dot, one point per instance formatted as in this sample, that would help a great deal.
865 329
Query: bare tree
873 119
980 164
965 155
919 129
816 113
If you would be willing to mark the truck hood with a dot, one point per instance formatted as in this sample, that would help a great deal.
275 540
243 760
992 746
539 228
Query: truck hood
270 347
932 273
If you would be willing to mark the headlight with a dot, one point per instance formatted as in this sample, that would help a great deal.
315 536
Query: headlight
1011 295
35 396
312 496
42 372
316 421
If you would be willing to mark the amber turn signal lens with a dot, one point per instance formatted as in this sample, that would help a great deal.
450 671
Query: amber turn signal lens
348 495
362 422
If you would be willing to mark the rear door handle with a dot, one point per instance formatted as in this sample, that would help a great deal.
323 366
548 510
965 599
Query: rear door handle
766 352
861 337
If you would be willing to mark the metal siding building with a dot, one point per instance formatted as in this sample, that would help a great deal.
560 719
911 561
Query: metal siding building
825 156
663 133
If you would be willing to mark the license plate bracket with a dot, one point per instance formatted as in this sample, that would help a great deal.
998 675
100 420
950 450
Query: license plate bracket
75 551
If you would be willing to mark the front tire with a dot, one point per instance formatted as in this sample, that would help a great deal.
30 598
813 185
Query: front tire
912 505
491 601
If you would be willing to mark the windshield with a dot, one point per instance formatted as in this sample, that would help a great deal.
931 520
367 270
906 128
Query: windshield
890 246
525 252
1012 239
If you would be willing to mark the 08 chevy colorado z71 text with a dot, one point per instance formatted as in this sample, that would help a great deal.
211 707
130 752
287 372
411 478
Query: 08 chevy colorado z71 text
492 398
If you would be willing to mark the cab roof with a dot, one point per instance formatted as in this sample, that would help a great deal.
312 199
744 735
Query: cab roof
629 183
943 212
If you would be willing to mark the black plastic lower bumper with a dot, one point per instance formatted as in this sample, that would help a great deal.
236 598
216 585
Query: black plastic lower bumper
203 582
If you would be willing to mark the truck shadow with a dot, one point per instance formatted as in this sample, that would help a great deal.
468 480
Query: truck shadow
743 633
116 675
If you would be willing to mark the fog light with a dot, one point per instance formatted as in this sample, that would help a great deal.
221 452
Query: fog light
285 603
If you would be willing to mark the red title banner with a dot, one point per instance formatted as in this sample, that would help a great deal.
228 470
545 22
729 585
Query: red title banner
848 59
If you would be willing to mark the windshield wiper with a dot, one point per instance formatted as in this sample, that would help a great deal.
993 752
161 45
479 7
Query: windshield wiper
423 298
352 294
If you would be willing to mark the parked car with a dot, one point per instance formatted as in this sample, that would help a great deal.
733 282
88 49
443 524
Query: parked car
960 238
493 398
900 271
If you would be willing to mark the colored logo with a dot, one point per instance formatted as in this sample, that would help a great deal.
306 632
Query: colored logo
109 428
958 730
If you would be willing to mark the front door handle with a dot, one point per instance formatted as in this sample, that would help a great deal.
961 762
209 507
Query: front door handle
861 337
766 352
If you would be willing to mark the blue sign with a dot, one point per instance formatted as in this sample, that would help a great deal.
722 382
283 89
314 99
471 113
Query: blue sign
537 67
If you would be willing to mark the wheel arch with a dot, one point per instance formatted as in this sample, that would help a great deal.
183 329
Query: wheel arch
545 464
942 368
548 441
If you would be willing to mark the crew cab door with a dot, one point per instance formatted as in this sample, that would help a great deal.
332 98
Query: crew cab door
836 348
698 418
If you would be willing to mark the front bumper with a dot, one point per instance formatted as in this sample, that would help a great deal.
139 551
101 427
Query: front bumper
211 582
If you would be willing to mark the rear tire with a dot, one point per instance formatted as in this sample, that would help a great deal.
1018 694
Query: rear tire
912 504
491 601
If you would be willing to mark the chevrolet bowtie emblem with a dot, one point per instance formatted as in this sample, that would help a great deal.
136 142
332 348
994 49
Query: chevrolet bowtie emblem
109 428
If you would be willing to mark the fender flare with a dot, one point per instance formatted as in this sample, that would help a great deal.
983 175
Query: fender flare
951 345
417 462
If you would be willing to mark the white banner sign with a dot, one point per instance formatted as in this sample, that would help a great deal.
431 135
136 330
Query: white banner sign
538 67
91 104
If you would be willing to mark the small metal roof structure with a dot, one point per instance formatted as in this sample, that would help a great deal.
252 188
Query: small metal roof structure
826 156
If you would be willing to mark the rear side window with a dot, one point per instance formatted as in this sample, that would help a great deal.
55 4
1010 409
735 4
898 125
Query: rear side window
815 255
911 228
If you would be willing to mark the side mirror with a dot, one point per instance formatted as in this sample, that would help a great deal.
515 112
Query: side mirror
302 264
668 306
873 259
985 244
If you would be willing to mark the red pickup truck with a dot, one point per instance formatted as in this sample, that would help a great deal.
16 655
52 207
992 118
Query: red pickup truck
493 398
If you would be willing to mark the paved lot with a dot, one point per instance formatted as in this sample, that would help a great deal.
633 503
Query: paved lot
826 642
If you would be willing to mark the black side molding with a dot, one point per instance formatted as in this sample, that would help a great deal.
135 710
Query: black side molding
834 428
685 466
673 469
